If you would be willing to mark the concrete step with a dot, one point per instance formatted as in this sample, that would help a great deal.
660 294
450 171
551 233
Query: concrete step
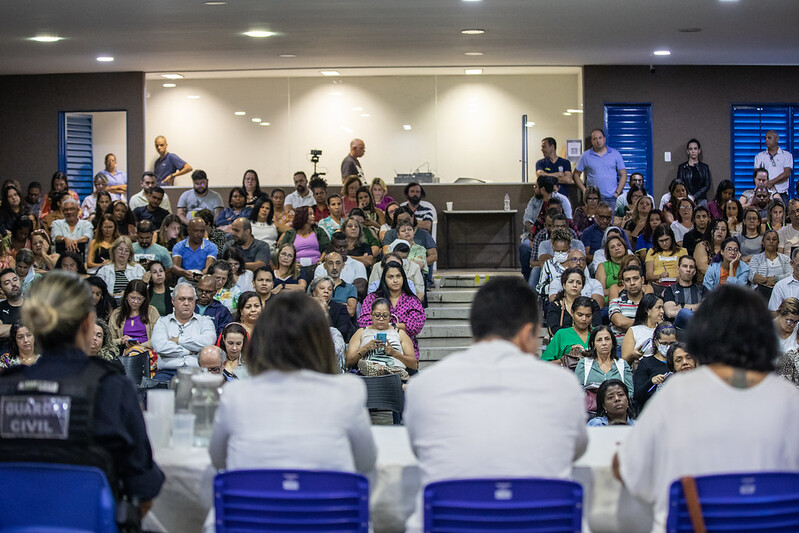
434 353
426 364
445 342
450 281
451 296
445 328
447 311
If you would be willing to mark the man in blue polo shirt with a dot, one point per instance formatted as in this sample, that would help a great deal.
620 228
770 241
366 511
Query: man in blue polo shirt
554 166
168 166
604 168
194 253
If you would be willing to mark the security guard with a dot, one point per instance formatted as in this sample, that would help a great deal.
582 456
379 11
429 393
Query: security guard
74 409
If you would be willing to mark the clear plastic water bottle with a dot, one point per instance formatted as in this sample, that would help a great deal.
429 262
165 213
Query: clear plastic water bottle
507 202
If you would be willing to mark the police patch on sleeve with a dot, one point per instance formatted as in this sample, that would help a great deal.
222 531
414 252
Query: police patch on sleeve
35 417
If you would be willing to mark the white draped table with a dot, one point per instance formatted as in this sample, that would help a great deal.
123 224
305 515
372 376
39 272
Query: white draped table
187 495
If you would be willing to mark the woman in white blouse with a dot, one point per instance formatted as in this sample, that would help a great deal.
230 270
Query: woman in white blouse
312 416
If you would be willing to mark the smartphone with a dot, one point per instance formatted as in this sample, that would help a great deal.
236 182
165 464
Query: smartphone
380 337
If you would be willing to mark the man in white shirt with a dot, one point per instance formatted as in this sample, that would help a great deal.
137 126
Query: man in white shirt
142 198
786 287
353 272
495 409
777 162
179 336
301 195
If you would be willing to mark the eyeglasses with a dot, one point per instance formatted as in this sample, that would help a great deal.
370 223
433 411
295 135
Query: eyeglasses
730 249
215 370
685 208
381 316
288 255
791 322
577 259
591 199
603 217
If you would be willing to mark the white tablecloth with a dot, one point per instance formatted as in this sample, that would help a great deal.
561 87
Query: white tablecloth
187 495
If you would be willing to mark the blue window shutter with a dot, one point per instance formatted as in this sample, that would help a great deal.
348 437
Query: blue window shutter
79 160
749 126
793 146
628 129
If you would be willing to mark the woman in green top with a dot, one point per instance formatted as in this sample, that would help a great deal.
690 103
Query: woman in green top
572 340
608 272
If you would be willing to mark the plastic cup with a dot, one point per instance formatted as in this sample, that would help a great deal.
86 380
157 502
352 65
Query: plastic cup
183 430
449 206
437 283
157 430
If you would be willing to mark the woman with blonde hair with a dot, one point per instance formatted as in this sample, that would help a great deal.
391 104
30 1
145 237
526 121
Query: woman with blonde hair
380 195
59 312
43 260
122 267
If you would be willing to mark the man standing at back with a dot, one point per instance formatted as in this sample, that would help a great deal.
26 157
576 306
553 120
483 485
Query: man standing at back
554 166
495 409
168 166
777 162
351 166
604 168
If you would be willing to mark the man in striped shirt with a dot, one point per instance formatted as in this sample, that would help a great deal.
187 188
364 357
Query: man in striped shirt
622 309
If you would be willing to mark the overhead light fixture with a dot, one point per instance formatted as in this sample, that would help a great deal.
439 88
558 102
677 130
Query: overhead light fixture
288 55
365 115
239 113
46 39
105 59
473 71
406 127
662 52
265 124
169 85
335 93
172 76
574 110
473 32
473 53
329 73
529 124
193 97
215 3
259 34
255 119
567 114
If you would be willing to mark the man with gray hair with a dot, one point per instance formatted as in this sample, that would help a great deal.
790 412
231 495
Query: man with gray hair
256 253
71 233
179 336
778 163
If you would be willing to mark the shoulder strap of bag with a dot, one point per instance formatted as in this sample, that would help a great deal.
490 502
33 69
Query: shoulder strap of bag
589 361
693 504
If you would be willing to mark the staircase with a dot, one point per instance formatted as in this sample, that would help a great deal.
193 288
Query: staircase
447 328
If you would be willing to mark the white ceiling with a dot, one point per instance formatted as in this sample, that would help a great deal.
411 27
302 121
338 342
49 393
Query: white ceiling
187 35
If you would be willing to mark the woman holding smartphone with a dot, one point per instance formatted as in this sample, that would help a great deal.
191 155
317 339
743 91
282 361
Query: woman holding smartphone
380 348
132 322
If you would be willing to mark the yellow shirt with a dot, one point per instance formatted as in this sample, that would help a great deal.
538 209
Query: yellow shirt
665 261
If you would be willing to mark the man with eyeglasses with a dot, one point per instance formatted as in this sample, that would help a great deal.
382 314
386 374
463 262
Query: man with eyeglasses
777 162
179 336
592 288
593 234
207 306
760 178
212 358
787 287
541 248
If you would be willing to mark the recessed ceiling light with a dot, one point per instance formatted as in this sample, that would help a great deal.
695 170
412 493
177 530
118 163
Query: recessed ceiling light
406 127
258 34
105 59
662 52
473 32
473 71
329 73
169 85
357 109
473 53
46 39
256 119
472 0
193 97
365 115
288 55
574 110
566 113
172 76
215 3
529 124
239 113
335 93
690 30
265 124
728 0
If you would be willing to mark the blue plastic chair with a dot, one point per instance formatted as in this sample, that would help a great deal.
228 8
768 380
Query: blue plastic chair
551 505
291 500
46 497
739 502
